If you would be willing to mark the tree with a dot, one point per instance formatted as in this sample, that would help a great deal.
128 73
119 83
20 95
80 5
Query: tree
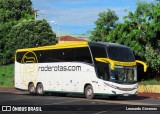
141 32
28 34
15 10
11 12
104 24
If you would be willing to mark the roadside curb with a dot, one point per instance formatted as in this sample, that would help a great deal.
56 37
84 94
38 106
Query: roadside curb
7 90
12 90
151 95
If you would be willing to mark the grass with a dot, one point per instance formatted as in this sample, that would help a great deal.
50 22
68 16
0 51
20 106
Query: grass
150 82
7 76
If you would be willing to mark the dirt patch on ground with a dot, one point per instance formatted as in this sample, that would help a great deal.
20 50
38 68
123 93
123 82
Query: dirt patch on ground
152 95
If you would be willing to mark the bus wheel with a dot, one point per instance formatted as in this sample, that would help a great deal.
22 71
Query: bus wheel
40 90
31 89
89 92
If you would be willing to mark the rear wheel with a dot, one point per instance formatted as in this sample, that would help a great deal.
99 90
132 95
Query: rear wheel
89 93
40 90
31 89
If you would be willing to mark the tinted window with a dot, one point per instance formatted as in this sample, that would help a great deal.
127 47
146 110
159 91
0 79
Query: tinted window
43 56
51 56
120 54
98 52
61 55
102 69
69 54
19 56
27 57
83 55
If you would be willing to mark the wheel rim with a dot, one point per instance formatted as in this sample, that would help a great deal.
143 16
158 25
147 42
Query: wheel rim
89 92
31 89
40 90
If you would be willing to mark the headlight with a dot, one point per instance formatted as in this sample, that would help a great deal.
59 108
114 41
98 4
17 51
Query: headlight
115 87
136 87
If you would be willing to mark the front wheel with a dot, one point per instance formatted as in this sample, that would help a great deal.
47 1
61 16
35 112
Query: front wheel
40 90
89 93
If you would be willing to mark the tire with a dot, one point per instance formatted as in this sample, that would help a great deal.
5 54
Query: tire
31 89
89 93
40 90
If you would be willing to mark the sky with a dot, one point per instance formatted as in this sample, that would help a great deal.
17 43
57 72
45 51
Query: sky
78 16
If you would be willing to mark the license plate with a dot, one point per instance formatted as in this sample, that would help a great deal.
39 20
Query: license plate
125 94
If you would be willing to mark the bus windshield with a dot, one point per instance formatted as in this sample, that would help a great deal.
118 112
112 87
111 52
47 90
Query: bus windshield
120 54
123 74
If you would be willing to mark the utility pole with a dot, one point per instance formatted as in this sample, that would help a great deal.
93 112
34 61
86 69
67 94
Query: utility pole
58 32
44 15
35 13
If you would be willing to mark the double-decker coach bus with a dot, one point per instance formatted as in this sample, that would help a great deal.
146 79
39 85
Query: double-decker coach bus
87 68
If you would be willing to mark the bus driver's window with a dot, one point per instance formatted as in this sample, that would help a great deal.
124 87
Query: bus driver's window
102 70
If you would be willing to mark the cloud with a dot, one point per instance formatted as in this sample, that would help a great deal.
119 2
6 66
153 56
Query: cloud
70 14
78 15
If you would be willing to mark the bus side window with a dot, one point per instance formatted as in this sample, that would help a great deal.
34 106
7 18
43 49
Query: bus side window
68 54
98 52
54 55
57 55
19 56
83 55
39 56
46 56
102 69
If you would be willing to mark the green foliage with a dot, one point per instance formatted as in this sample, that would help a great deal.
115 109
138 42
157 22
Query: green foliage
15 9
19 30
11 13
140 31
150 82
6 75
104 24
29 34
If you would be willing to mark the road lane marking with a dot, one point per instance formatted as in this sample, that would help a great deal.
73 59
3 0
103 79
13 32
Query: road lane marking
81 99
126 102
113 109
63 102
100 112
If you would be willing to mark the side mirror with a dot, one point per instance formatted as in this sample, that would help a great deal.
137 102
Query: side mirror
144 64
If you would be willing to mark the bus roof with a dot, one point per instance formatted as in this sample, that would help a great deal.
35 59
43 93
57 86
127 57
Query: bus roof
57 46
70 45
108 44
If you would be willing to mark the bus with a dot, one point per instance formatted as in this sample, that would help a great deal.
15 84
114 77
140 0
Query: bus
88 68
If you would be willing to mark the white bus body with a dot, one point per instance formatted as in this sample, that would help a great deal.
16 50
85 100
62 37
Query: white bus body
68 77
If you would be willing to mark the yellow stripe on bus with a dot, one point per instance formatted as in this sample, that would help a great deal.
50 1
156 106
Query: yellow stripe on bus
144 64
57 46
119 63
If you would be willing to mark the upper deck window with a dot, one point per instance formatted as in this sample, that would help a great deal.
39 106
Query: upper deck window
120 54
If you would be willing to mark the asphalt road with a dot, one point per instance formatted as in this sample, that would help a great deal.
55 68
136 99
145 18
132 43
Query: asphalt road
76 104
